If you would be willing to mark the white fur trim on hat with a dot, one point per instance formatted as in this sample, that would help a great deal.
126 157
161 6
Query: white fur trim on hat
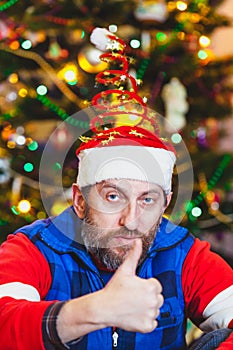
154 165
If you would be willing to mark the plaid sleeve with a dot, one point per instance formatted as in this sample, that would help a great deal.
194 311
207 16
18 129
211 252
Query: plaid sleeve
49 329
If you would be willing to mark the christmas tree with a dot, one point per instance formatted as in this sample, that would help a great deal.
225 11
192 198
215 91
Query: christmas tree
48 74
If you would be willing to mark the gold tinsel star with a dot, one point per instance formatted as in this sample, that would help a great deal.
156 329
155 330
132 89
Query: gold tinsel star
113 45
105 142
115 132
85 139
135 133
111 138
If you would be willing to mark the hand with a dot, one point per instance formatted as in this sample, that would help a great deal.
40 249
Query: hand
127 302
132 303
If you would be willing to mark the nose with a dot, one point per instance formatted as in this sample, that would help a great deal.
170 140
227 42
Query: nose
130 217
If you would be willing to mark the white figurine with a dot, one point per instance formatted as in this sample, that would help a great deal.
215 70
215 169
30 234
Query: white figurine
174 95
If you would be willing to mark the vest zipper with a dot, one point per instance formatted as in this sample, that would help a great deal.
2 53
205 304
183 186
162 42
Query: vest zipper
114 338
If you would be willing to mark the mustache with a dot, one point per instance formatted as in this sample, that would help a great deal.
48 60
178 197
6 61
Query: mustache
122 231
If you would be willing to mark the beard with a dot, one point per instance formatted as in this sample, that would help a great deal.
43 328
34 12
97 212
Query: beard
100 242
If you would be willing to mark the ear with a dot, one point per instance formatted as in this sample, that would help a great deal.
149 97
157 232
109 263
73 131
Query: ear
169 197
79 202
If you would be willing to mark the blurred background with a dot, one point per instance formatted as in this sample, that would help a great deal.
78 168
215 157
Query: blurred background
181 54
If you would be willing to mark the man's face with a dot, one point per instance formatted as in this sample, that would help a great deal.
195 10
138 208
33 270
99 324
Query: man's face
116 213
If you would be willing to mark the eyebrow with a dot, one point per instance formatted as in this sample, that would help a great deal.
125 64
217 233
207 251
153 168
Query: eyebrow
150 192
116 187
108 184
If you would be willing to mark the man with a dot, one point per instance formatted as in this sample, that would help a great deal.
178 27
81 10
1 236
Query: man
111 271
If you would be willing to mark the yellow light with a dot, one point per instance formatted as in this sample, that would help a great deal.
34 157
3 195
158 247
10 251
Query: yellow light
24 206
11 144
69 73
41 215
89 60
14 45
181 35
210 196
204 41
22 92
171 5
181 6
13 78
195 18
58 207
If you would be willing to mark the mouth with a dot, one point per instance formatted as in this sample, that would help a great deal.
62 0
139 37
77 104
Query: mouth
123 240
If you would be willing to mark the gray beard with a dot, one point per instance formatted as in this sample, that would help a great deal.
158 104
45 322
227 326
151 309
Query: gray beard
98 243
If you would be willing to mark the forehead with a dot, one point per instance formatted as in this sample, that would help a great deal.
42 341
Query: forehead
129 186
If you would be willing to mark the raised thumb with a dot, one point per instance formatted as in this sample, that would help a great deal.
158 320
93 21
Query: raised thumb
130 263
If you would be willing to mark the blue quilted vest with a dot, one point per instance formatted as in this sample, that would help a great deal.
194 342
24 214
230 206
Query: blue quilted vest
74 274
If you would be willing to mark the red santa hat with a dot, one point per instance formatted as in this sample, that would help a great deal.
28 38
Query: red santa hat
125 152
128 150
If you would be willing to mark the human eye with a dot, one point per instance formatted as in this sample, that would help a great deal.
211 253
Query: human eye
112 197
148 200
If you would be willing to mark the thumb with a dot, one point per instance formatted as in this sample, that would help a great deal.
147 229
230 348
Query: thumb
130 263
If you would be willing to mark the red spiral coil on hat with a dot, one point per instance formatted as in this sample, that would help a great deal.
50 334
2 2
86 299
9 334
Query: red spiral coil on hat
113 103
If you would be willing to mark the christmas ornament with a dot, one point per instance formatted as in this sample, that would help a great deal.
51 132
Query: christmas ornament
55 51
4 170
35 37
4 30
174 95
10 31
76 36
7 132
150 10
61 137
89 60
202 137
126 31
208 134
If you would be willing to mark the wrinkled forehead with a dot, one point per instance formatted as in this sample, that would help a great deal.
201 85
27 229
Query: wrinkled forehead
125 188
129 185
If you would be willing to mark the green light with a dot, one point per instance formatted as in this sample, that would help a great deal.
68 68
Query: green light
160 36
26 45
74 82
83 34
135 44
188 206
33 146
7 5
14 210
176 138
112 28
196 211
28 167
42 90
57 166
202 54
